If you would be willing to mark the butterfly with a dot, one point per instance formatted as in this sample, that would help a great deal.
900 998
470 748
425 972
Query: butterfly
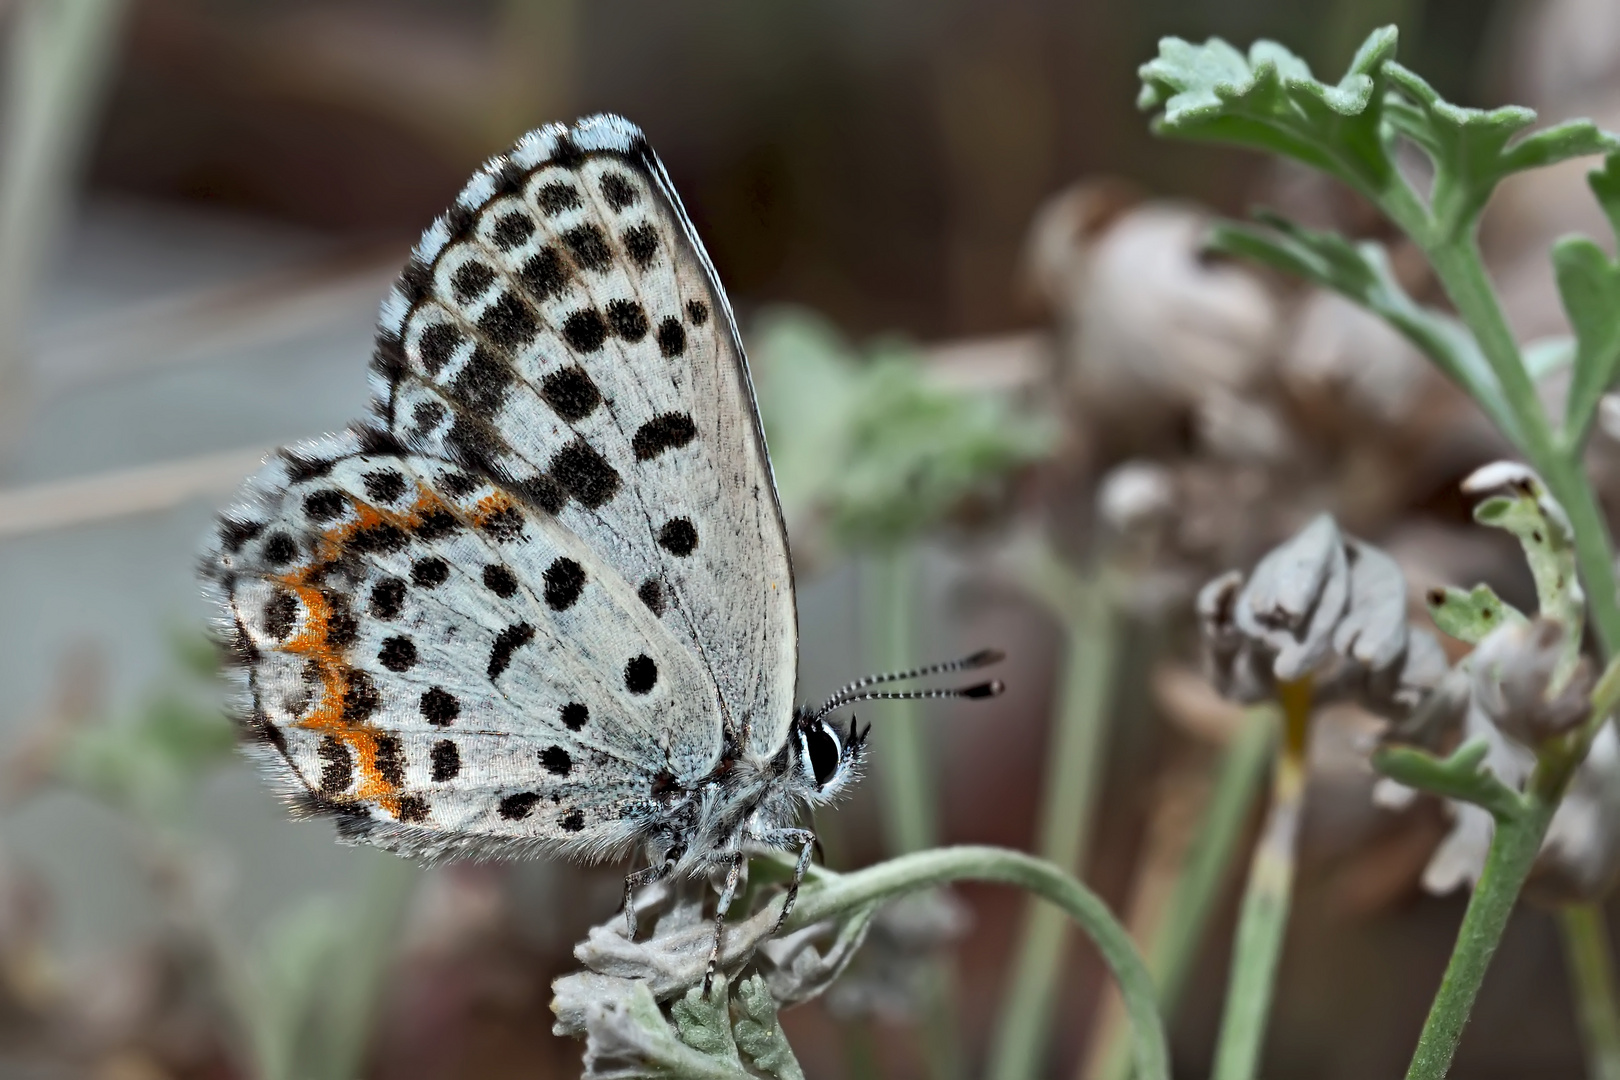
540 600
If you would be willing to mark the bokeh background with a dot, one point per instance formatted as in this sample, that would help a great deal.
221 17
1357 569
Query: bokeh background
203 202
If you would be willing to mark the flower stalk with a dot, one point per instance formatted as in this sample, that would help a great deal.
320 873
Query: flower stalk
1263 918
1069 798
939 866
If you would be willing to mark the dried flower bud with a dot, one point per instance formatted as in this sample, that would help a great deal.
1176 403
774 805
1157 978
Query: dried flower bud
1295 598
1580 858
1136 495
1514 680
1327 606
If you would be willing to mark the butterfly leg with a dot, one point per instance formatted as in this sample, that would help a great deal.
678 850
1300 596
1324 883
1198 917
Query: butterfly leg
733 873
807 847
645 876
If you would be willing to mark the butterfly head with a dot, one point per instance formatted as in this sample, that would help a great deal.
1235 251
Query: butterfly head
826 759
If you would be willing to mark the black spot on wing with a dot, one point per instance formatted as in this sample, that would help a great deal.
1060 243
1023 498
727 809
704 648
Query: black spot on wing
668 431
557 197
671 337
504 524
564 581
556 760
574 715
280 614
585 330
437 344
446 761
507 322
545 275
584 474
390 760
640 674
627 319
512 229
439 707
573 821
641 242
324 505
652 594
678 536
507 642
619 191
426 416
697 311
430 573
483 381
588 247
384 485
337 765
397 654
342 628
233 534
499 580
435 524
570 393
470 280
411 809
517 807
360 698
279 549
543 492
388 598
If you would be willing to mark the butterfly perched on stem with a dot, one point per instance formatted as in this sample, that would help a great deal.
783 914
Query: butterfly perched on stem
540 601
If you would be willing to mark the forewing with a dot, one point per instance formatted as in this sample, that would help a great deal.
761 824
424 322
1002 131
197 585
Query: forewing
451 671
561 331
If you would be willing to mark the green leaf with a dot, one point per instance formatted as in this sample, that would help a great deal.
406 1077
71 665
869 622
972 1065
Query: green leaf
703 1021
1547 356
1361 273
1470 616
1268 100
874 443
1605 185
1589 285
1542 529
759 1035
1460 776
1474 149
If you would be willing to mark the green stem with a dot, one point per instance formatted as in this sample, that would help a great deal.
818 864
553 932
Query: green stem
1461 270
909 803
1073 763
1264 915
1589 953
937 866
1173 946
1514 847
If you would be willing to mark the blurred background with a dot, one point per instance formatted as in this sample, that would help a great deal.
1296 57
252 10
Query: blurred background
949 209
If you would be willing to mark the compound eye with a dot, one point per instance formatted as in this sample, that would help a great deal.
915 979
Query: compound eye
825 753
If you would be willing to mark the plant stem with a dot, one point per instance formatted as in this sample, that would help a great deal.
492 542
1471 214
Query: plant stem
937 866
1461 270
1174 945
1514 847
1264 915
1073 763
1588 950
60 55
909 803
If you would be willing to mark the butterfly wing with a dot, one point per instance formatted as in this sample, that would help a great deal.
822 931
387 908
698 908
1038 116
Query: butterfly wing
549 582
563 331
